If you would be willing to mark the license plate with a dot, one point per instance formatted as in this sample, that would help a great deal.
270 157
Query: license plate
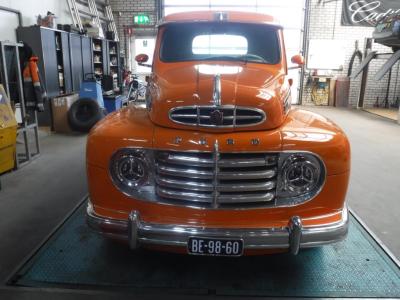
215 247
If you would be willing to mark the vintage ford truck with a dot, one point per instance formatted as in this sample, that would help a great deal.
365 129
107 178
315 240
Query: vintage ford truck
218 163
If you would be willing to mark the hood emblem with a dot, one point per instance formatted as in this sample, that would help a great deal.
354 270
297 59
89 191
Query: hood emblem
217 90
177 140
217 117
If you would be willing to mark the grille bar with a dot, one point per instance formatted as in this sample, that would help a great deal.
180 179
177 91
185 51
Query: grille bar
185 184
224 199
243 162
186 159
223 116
187 173
265 174
246 187
216 180
182 195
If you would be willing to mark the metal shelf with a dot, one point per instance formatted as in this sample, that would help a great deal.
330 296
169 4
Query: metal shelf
13 62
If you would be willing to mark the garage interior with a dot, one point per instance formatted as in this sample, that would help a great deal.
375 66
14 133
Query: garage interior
350 76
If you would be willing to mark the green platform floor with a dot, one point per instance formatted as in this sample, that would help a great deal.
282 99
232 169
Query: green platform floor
74 257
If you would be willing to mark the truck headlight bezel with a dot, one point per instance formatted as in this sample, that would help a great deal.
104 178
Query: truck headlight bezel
301 177
131 171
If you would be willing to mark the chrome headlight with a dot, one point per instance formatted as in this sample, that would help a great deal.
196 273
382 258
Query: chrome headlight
302 176
131 170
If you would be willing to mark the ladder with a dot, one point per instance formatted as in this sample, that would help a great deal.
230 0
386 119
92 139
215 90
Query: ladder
93 13
76 18
93 10
111 24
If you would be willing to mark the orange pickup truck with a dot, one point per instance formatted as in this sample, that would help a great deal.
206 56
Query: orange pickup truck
218 163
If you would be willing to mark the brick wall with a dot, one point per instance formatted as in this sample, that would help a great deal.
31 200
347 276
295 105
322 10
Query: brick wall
124 12
325 23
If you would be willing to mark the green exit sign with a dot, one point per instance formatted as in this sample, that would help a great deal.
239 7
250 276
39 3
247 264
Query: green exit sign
141 19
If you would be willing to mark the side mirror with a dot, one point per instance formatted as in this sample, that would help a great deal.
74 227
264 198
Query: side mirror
141 58
298 60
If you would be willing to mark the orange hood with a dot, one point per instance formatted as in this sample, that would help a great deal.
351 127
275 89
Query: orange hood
242 84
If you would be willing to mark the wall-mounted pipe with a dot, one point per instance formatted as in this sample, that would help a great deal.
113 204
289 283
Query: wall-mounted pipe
14 11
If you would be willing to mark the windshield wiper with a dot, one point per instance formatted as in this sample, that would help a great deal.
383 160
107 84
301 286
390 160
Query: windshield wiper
243 58
220 57
252 58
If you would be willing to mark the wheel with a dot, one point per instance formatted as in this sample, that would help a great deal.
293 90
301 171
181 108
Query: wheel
133 90
84 114
134 95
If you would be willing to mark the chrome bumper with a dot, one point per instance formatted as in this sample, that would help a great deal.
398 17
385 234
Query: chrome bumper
292 237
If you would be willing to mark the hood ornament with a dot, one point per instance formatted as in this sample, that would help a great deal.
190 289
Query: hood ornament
217 90
217 116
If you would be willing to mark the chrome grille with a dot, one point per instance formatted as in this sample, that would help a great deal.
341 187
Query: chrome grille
216 180
228 116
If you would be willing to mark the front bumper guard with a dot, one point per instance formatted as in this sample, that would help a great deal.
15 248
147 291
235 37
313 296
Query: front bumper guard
292 237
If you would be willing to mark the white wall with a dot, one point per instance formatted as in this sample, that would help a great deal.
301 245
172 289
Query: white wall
30 9
325 23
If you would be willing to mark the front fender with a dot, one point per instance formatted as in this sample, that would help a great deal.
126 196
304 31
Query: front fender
307 131
128 127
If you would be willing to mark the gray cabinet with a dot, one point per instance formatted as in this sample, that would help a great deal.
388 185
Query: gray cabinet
64 65
76 61
100 57
48 61
87 55
114 63
65 58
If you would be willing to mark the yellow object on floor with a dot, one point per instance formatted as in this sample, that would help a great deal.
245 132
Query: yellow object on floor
8 133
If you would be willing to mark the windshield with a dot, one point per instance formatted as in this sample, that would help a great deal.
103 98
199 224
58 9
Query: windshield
220 41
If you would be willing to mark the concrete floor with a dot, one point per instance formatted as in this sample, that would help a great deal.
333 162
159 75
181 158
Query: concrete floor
37 197
374 191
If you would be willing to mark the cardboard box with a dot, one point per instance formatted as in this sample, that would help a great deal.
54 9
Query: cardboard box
60 107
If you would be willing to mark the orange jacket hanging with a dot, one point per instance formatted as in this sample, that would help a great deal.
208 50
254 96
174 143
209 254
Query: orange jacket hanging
34 93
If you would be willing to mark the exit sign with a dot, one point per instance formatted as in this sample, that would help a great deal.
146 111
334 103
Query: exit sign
141 19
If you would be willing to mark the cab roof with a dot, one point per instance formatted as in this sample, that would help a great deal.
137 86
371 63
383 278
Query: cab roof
222 16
